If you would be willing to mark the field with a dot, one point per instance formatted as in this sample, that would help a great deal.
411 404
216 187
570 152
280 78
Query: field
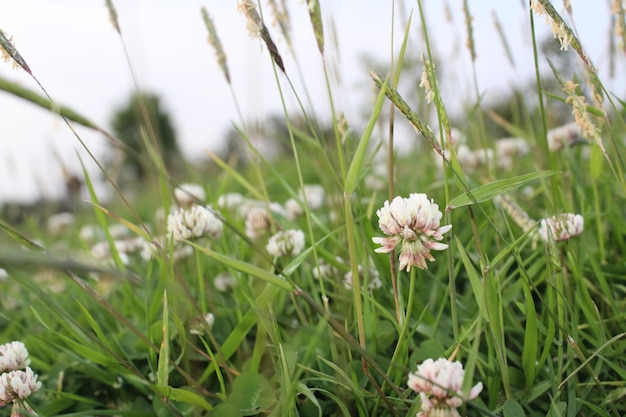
479 273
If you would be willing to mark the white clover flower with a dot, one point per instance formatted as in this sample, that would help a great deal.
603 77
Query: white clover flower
293 209
277 208
326 270
13 356
101 251
193 222
90 233
483 156
414 223
440 387
466 158
60 222
3 274
198 328
561 227
374 279
313 194
17 385
187 194
230 201
286 242
119 231
564 136
182 252
258 222
508 149
223 282
147 251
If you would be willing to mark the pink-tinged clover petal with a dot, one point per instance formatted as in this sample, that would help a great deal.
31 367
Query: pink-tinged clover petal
413 222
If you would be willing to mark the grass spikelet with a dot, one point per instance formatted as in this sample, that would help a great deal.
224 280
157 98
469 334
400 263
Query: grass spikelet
619 24
505 42
579 109
9 52
421 127
470 30
280 14
518 214
257 28
215 42
567 38
315 14
429 67
113 16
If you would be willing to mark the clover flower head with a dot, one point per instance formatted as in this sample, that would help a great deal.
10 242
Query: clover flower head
223 282
17 385
293 209
197 326
230 201
60 222
563 136
258 221
193 222
286 242
374 279
188 193
324 270
412 223
313 194
508 149
13 356
440 387
561 227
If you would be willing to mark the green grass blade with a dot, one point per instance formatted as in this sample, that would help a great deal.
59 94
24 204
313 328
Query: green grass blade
246 268
488 191
164 351
356 166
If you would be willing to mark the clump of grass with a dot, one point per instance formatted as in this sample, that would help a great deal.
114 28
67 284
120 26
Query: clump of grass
265 292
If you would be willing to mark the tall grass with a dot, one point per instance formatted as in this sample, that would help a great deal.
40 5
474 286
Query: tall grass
201 316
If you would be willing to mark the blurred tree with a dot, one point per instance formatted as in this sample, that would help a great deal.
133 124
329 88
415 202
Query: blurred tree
141 115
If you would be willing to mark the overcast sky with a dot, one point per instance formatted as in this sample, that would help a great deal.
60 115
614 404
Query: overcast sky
75 53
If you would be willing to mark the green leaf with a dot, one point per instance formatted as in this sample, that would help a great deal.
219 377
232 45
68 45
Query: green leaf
478 287
596 161
182 395
557 409
512 408
225 410
252 393
488 191
19 237
246 268
315 14
354 172
616 395
529 352
306 391
164 351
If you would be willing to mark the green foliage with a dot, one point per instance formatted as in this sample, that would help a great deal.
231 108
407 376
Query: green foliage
127 331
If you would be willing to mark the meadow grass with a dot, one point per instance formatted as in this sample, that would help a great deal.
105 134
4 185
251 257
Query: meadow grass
188 310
